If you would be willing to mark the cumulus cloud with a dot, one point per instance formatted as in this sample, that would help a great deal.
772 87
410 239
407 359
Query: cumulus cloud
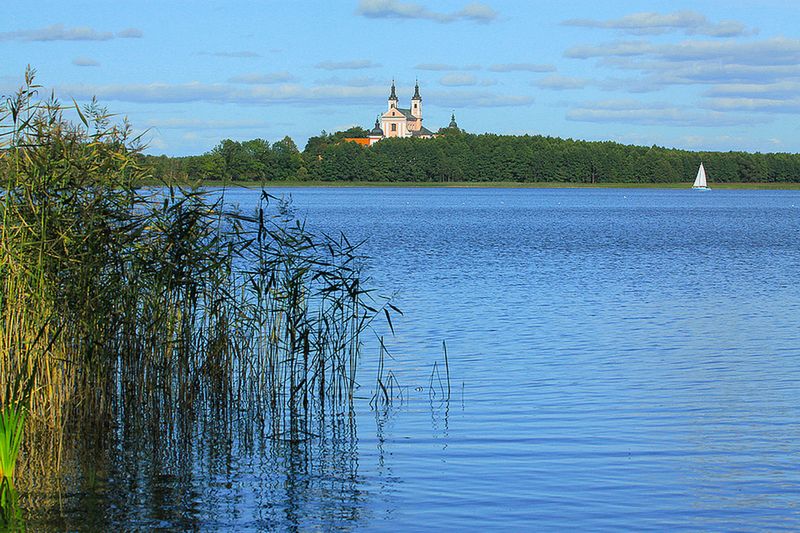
522 67
356 64
652 114
758 104
688 22
397 9
130 33
664 72
57 32
559 83
727 73
464 80
612 49
775 51
696 62
85 62
264 79
458 80
477 12
776 90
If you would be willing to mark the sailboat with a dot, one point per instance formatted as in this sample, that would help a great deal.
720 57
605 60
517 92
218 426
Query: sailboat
700 183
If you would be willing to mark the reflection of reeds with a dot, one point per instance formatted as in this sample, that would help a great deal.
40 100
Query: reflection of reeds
439 388
387 388
152 313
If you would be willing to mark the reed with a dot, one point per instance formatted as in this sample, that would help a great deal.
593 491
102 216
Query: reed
162 312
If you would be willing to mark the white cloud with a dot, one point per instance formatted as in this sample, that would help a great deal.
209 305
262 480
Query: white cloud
85 62
630 111
130 33
688 22
58 32
559 83
774 51
663 72
612 49
769 91
477 12
355 64
397 9
787 105
458 80
743 76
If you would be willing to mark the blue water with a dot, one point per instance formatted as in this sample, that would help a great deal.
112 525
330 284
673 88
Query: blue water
619 359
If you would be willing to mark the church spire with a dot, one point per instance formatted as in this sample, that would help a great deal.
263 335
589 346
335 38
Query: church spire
392 98
416 91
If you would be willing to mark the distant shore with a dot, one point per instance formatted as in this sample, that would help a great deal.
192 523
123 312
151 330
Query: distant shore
501 185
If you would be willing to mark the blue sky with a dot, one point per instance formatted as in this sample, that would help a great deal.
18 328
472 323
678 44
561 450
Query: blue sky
717 75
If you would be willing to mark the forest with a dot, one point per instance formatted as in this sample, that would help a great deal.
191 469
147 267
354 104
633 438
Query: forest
457 156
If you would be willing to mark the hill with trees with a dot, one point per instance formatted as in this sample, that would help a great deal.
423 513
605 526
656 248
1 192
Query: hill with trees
459 156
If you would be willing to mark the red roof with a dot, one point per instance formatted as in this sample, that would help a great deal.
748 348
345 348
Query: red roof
363 141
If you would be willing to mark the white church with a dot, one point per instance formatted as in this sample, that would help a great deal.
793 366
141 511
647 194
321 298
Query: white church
400 122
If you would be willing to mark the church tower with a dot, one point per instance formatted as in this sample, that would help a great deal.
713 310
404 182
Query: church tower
392 98
416 102
377 133
453 123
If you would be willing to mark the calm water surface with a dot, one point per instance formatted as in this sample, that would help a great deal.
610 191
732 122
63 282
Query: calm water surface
618 359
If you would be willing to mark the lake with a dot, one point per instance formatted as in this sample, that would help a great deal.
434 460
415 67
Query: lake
618 359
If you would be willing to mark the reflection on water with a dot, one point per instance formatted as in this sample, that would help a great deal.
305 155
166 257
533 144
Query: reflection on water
619 360
222 478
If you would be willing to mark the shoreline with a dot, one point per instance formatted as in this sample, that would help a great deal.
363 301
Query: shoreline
494 185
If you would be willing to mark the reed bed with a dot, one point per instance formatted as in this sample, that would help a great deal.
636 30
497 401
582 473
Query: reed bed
156 312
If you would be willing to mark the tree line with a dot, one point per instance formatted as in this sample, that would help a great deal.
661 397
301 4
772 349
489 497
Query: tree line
459 156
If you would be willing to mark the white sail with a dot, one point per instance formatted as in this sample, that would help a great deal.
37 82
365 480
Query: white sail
700 180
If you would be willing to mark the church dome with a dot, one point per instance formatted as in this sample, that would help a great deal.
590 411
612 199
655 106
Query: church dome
453 123
376 131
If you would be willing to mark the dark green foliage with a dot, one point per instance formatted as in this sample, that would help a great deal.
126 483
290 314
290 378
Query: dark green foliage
255 161
459 156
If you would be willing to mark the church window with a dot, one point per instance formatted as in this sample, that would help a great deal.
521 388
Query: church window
394 127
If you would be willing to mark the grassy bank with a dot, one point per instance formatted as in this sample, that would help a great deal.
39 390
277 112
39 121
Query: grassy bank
494 185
